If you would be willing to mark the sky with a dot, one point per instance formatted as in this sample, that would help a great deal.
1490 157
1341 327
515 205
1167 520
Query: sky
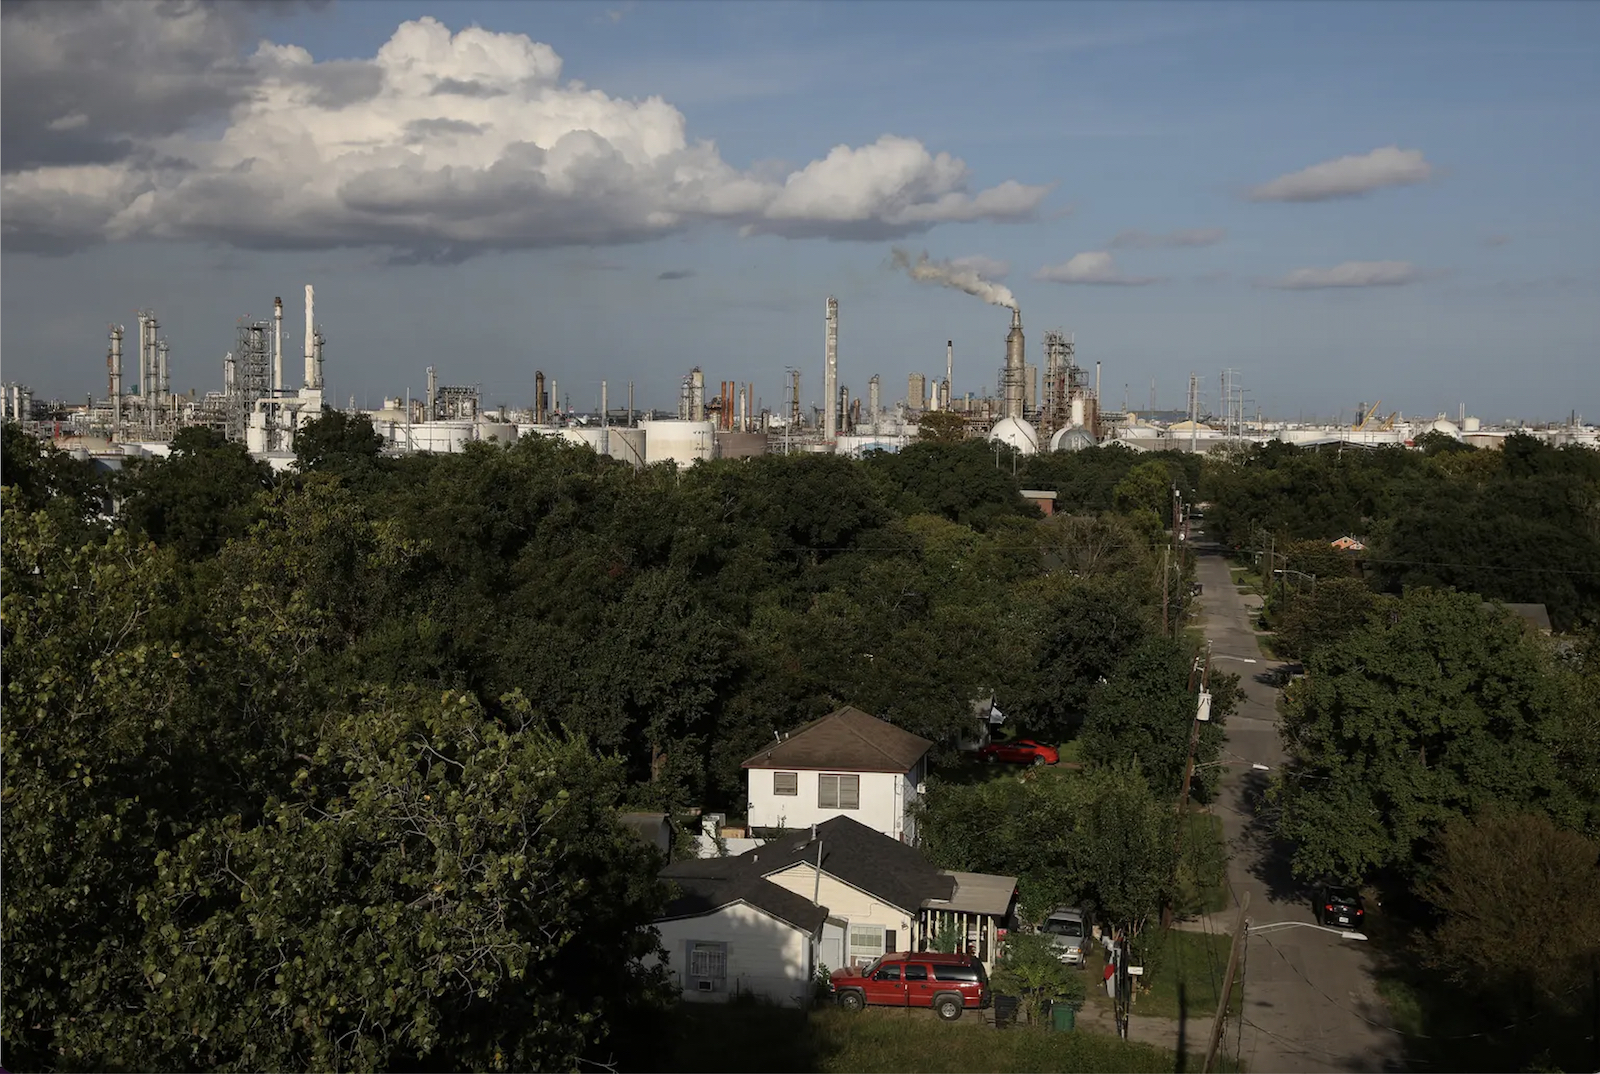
1343 203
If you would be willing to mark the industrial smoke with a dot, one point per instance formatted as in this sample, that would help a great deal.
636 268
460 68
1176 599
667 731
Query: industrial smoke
960 277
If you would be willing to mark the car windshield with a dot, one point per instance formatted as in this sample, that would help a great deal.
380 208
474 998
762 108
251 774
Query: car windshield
1061 926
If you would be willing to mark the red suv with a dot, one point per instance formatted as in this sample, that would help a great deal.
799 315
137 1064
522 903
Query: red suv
947 983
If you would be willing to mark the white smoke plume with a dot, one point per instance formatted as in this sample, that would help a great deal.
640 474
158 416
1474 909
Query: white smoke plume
948 274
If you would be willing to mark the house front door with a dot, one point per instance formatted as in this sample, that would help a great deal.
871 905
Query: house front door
833 944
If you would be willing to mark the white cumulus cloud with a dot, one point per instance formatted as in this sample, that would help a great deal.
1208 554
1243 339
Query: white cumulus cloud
1092 267
1349 274
440 146
1348 176
1143 240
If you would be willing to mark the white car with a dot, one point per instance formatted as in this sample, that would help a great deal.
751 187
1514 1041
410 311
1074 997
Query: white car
1068 929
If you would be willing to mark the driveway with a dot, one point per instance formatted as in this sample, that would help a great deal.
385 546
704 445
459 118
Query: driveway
1309 1002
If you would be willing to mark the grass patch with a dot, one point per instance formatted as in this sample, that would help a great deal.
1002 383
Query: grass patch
1203 870
757 1037
1264 642
1186 976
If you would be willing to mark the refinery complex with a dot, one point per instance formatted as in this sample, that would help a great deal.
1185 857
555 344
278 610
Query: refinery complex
1060 410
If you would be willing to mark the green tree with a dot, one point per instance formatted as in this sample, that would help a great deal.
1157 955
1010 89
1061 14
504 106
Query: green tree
942 426
48 479
1323 615
336 442
1148 486
1516 899
1029 969
1420 717
220 855
199 497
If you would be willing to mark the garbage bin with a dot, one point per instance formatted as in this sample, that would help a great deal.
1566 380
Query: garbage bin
1005 1010
1063 1018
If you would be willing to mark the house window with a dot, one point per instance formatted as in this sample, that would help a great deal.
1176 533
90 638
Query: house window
786 783
708 967
838 792
866 943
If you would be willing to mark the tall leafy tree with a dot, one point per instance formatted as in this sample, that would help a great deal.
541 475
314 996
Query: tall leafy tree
1420 717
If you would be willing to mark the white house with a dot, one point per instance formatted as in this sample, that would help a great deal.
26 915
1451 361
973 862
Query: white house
847 764
739 934
869 894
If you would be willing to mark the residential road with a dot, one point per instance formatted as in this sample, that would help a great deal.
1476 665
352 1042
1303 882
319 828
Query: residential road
1309 1001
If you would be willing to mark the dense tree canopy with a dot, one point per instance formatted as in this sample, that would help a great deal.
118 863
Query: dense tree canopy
1422 716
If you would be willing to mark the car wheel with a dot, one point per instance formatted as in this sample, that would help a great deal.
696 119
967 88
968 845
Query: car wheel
949 1008
1038 760
852 1001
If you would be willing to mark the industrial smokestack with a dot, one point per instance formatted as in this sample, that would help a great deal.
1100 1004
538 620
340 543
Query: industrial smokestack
312 380
830 370
538 397
949 274
1015 364
949 363
433 393
114 367
277 345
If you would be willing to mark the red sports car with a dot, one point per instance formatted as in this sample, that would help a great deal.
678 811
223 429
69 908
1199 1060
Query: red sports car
1019 751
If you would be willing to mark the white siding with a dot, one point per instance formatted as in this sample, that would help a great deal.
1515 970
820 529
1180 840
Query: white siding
767 957
847 903
884 801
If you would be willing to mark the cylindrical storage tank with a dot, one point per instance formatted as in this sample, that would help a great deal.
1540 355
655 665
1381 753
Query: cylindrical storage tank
741 445
503 432
524 428
858 445
627 445
682 442
449 437
1472 425
1077 410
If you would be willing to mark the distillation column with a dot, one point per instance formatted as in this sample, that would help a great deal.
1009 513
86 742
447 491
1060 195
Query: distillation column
830 371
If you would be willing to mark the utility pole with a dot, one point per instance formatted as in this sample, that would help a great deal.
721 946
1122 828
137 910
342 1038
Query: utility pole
1165 629
1240 938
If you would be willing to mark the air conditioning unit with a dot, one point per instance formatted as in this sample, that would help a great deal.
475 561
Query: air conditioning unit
704 986
922 788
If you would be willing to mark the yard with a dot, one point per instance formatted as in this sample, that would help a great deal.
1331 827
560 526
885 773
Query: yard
1184 978
753 1037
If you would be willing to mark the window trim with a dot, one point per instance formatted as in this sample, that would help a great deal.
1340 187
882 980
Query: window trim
838 782
718 952
794 785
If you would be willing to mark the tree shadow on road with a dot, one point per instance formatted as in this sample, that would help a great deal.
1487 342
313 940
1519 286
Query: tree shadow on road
1269 855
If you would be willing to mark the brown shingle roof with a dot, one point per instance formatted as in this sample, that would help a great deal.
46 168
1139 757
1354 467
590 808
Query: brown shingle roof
847 740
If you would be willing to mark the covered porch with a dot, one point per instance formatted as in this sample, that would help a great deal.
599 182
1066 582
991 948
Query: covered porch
981 907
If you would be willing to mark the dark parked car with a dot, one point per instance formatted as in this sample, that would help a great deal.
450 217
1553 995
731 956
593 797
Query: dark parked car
1340 906
1019 751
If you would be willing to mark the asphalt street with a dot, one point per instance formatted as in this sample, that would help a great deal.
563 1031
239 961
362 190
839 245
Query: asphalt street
1309 1001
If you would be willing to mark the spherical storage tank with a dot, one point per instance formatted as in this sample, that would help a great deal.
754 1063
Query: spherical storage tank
1071 439
682 442
1446 426
1016 433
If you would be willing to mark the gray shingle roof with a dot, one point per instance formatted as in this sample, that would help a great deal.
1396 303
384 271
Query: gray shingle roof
860 856
848 740
705 894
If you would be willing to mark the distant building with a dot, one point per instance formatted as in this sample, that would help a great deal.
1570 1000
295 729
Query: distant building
1349 544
